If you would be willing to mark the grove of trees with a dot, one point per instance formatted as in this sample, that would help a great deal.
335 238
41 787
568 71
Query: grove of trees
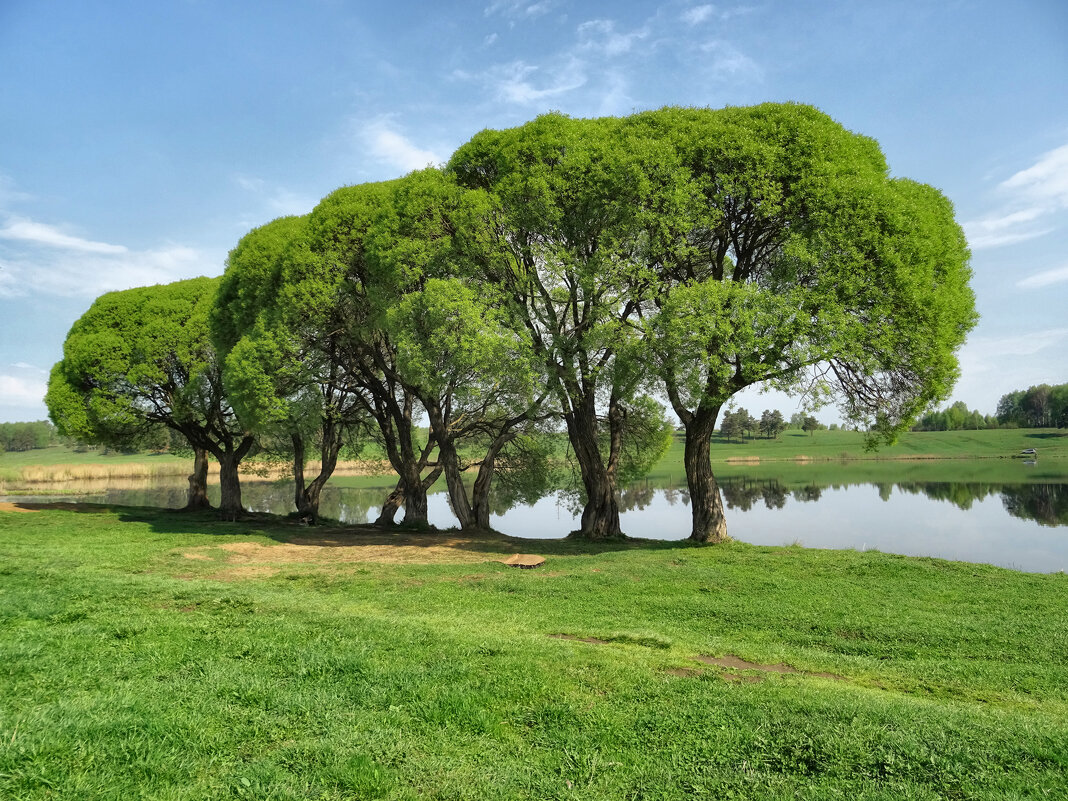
1042 406
26 436
555 275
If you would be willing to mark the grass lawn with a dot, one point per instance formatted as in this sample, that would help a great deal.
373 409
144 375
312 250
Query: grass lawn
159 655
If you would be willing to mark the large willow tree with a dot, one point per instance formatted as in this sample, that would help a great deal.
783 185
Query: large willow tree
142 357
716 250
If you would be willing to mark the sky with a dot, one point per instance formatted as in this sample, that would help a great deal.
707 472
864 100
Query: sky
140 141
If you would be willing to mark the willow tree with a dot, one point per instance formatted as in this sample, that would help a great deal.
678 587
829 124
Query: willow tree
283 375
785 255
569 258
459 350
340 301
143 357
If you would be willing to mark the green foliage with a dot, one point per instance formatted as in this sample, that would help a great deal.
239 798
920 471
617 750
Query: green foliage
26 436
135 360
1040 406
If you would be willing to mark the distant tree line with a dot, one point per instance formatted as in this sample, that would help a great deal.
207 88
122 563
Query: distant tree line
26 436
1042 406
957 417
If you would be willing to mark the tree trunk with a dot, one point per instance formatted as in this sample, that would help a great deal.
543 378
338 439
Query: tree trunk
230 507
600 516
198 482
230 486
706 502
480 492
392 504
298 470
308 497
461 506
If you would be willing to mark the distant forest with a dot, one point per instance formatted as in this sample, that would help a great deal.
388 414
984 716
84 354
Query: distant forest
1041 406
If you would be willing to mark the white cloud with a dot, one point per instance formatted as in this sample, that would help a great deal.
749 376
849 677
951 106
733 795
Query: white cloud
727 61
1046 181
519 8
1045 278
19 391
698 14
512 82
1033 198
71 273
979 351
601 35
489 40
391 147
25 366
24 230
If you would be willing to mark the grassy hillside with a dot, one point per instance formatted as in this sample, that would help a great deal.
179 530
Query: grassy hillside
157 655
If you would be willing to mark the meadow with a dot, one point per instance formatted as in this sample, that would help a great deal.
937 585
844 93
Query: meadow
162 655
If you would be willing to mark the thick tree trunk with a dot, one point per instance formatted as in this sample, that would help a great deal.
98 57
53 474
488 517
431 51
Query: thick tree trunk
230 486
706 502
198 482
600 516
230 506
415 503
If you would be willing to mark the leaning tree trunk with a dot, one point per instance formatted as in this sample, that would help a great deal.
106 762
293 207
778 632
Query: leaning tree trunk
461 506
308 496
480 492
392 503
197 497
706 502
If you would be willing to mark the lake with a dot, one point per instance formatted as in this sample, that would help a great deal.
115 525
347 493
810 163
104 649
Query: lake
1016 517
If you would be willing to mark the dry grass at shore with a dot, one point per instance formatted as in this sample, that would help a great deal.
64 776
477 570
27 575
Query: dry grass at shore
95 472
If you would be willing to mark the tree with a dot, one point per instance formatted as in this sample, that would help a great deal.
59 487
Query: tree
771 423
565 246
784 254
810 424
283 375
733 424
141 358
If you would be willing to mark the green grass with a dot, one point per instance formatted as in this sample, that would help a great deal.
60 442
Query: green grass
995 443
131 670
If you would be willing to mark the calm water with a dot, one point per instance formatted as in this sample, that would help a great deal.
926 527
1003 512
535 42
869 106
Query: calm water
1018 525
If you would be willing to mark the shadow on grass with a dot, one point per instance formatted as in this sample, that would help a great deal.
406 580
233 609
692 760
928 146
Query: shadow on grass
289 531
1047 435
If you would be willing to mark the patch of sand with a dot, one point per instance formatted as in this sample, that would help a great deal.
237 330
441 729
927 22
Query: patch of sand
7 506
343 548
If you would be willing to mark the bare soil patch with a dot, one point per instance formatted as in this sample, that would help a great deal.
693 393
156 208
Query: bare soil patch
338 547
736 663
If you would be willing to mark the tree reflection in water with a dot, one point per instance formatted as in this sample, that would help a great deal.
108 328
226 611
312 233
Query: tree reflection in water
1043 503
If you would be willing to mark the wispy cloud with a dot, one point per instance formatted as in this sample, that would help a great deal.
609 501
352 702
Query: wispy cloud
1032 199
388 145
521 9
1046 278
24 230
602 36
525 84
74 267
277 200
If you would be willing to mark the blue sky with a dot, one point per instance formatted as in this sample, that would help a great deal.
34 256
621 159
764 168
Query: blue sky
139 141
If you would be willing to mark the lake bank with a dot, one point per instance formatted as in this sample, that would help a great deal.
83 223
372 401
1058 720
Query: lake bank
251 659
